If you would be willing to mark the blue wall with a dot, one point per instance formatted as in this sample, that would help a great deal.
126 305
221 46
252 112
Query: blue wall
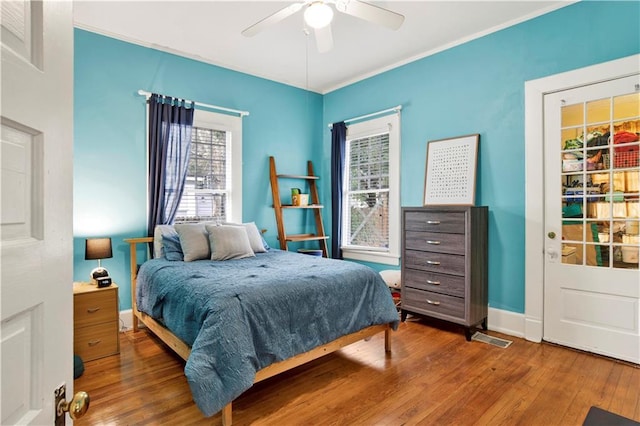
477 87
110 132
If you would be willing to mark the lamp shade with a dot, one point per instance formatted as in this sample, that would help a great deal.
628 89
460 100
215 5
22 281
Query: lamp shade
97 248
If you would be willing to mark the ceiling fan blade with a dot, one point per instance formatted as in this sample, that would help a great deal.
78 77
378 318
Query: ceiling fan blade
371 13
324 39
272 19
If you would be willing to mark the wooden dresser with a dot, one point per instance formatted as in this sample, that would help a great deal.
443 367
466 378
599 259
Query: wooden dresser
95 321
444 264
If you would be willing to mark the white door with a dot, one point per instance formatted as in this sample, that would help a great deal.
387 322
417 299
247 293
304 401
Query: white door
592 213
36 208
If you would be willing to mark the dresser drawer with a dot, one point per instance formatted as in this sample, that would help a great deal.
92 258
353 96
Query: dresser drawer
452 285
429 303
435 262
436 221
95 307
96 341
435 241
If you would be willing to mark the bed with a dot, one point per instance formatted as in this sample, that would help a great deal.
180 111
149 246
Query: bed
240 321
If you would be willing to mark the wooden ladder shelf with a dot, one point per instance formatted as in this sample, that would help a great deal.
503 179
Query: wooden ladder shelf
314 205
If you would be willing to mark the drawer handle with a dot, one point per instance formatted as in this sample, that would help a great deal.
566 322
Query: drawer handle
432 262
93 310
432 302
94 342
433 222
435 243
433 282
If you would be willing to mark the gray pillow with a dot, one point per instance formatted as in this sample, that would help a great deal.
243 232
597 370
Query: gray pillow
229 242
255 237
194 241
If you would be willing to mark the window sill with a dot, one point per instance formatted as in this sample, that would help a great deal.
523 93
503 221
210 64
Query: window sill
371 256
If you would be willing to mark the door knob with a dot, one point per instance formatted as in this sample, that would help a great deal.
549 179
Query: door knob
76 408
551 235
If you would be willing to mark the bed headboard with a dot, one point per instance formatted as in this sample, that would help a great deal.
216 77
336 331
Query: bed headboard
133 263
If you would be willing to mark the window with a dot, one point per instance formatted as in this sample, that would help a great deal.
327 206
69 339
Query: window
213 188
371 203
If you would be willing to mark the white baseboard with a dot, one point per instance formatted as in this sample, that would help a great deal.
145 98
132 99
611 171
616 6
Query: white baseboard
506 322
126 320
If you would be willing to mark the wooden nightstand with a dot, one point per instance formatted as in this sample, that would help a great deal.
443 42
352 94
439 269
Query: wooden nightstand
95 321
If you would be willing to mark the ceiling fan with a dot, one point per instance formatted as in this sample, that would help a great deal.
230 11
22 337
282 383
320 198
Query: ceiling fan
318 15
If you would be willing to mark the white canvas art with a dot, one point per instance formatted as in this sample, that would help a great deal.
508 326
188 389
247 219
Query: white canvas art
450 176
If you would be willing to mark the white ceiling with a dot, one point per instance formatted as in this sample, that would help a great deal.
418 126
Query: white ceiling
209 31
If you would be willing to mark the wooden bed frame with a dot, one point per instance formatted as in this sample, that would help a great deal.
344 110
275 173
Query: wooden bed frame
184 350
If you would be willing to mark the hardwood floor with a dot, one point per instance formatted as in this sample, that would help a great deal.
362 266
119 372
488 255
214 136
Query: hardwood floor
432 377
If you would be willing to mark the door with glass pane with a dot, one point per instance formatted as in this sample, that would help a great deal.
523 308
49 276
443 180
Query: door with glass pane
592 214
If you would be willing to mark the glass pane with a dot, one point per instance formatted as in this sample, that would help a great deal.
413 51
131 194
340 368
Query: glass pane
593 255
602 256
572 253
599 111
626 106
572 231
571 138
572 115
626 156
569 254
619 186
629 126
369 219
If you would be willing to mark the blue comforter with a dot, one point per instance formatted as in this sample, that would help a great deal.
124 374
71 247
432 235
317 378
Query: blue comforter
240 316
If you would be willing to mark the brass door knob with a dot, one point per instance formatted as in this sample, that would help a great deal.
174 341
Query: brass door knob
551 235
77 407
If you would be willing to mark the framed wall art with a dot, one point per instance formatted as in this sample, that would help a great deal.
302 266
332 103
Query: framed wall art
450 176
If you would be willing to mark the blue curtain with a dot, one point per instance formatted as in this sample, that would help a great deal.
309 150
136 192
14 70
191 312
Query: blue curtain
170 125
338 142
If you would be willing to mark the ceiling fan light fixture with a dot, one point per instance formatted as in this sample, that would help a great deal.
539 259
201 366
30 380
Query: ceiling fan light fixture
318 15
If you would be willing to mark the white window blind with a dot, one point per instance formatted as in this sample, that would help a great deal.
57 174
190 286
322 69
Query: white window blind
368 193
207 185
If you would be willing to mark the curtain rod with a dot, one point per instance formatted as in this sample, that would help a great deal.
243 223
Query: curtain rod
394 109
235 111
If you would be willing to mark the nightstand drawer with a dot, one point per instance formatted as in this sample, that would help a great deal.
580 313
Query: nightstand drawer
452 285
96 341
95 307
435 241
430 303
435 262
435 221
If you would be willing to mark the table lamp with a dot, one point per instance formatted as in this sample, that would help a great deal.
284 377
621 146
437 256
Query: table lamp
98 248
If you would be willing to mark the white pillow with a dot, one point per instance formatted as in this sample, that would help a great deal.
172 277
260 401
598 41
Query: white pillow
194 241
158 232
229 242
255 238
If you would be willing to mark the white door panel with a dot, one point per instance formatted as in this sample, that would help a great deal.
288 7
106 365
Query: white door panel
592 194
36 144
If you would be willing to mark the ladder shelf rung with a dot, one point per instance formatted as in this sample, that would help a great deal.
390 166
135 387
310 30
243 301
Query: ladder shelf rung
306 237
299 177
309 206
